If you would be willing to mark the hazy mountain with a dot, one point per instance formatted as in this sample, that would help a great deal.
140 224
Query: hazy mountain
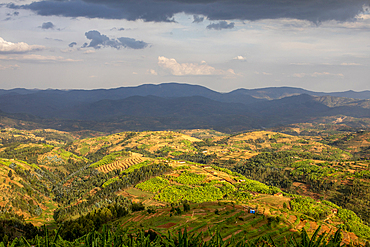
46 103
271 93
18 91
152 106
174 105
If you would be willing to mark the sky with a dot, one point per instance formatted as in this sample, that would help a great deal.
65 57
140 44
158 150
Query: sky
319 45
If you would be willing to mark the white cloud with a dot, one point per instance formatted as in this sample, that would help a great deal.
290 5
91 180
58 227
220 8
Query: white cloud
4 67
239 58
153 72
89 51
299 75
181 69
21 47
263 73
231 71
316 74
38 58
350 64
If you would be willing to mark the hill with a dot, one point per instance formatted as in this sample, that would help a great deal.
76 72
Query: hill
142 180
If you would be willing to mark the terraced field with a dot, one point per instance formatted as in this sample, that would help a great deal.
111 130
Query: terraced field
122 164
229 219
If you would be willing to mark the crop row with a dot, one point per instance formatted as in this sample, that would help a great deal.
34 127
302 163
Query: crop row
120 164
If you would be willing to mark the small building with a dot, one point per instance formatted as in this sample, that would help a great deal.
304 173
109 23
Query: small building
241 180
251 210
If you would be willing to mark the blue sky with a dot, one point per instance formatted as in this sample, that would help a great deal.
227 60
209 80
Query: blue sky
223 45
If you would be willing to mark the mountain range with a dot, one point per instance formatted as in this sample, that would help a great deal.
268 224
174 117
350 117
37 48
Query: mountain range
177 105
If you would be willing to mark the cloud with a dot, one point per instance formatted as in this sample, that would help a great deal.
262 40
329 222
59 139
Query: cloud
152 72
132 43
38 58
4 67
89 51
266 73
47 25
163 11
21 47
59 40
221 25
239 58
198 19
316 74
118 29
99 40
72 44
183 69
15 13
350 64
299 75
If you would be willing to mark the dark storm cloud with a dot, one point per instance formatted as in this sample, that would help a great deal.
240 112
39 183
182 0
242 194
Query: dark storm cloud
132 43
47 25
72 44
164 10
221 25
198 19
99 40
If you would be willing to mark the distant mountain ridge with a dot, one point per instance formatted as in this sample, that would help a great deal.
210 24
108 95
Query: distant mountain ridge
181 90
181 105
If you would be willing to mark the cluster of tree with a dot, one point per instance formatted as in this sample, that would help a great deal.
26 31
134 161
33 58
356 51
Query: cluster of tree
70 196
12 227
270 169
354 196
72 229
54 136
28 154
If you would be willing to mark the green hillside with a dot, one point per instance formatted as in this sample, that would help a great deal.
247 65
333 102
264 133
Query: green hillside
168 180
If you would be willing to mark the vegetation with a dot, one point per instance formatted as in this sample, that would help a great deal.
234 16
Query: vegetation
292 182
